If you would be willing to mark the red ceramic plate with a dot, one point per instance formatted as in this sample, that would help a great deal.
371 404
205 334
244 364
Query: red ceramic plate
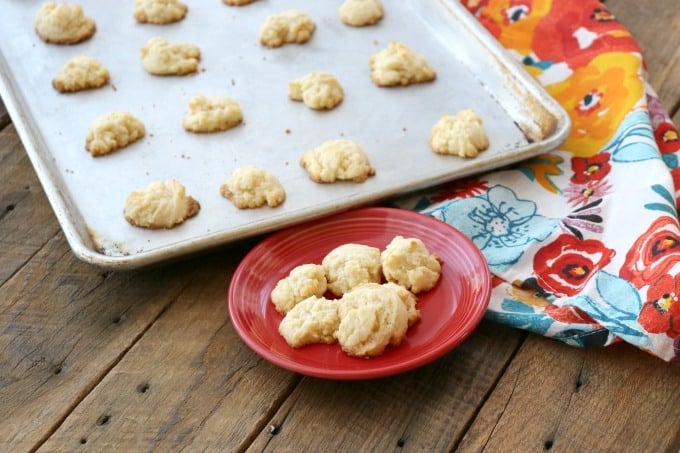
450 311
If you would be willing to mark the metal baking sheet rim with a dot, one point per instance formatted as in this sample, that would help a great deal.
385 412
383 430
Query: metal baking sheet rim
544 135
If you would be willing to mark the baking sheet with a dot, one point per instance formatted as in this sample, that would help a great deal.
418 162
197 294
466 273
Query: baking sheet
391 124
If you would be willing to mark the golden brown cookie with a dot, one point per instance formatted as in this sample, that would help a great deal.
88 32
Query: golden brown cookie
318 90
408 262
161 57
399 65
218 113
372 316
350 265
337 160
359 13
238 2
251 187
63 23
80 73
113 131
162 204
159 12
292 26
302 282
313 320
460 135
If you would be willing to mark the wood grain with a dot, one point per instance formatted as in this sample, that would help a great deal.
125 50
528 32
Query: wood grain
205 389
424 410
65 324
554 397
26 219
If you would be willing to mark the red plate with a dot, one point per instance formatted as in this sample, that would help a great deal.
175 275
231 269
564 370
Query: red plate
449 312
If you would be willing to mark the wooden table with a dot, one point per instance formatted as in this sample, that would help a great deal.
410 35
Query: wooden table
131 361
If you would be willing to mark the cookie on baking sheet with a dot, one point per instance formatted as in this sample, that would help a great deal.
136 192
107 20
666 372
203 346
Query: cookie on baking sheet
161 57
302 282
409 299
460 135
80 73
372 316
359 13
63 23
162 204
318 90
313 320
399 65
251 187
292 26
408 262
238 2
350 265
113 131
337 160
159 12
218 113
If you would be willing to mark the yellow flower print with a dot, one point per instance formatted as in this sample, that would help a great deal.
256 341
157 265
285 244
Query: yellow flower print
597 97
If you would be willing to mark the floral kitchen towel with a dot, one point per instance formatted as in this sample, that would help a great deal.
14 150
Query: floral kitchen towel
583 242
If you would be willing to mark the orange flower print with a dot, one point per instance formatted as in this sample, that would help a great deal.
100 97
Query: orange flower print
597 97
512 22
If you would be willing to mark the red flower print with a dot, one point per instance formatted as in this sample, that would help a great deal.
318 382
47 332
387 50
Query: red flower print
667 138
564 266
653 254
568 314
589 169
661 312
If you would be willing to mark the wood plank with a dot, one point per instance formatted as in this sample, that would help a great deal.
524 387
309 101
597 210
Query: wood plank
656 27
65 324
206 390
566 399
427 409
27 221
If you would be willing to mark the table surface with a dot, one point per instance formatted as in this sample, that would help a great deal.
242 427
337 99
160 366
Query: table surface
142 360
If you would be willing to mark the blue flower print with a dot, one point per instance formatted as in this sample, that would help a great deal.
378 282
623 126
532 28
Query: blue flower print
500 224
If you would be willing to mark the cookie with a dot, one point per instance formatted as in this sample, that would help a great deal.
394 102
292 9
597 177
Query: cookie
162 204
409 299
399 65
292 26
302 282
359 13
318 90
159 12
113 131
161 57
238 2
407 262
251 187
63 23
218 113
313 320
372 317
460 135
350 265
337 160
81 73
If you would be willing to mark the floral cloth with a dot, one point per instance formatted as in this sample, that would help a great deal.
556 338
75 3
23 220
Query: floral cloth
583 242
